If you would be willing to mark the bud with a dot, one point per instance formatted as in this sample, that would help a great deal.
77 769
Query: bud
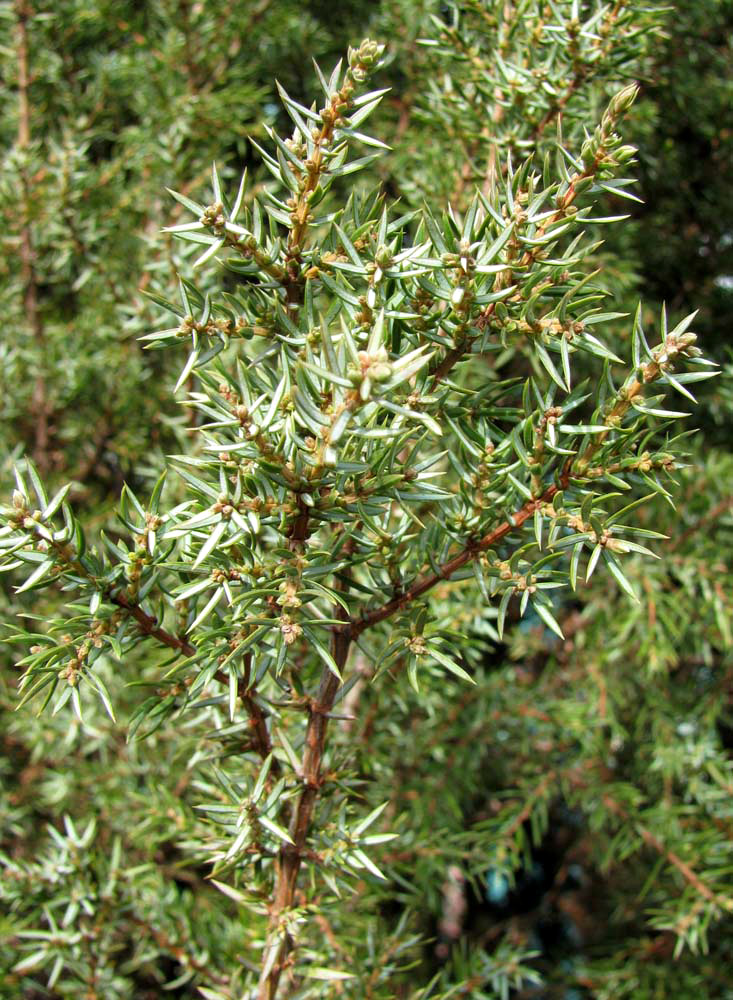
289 630
582 184
625 153
623 100
383 257
588 153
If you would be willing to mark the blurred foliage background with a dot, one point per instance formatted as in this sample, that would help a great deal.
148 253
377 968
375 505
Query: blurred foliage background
125 99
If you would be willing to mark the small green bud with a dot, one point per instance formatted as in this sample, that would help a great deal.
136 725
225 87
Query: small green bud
625 154
623 100
383 257
583 184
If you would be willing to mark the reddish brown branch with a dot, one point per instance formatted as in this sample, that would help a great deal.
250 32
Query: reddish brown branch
279 943
457 353
713 514
300 528
558 106
149 626
576 466
675 860
447 570
528 258
184 959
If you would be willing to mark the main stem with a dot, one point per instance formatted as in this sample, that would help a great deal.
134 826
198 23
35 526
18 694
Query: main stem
279 940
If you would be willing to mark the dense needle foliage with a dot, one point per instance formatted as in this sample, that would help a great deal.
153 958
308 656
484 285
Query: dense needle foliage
407 674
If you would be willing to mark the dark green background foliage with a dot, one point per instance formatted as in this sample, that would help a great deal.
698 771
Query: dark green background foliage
562 825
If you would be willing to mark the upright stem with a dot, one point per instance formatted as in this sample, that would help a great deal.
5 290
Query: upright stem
27 256
257 720
279 941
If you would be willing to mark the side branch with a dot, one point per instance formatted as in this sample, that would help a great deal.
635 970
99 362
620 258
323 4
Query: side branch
446 571
661 359
457 353
149 626
651 840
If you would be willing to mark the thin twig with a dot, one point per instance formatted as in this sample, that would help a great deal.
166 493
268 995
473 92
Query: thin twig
712 515
449 568
184 959
651 840
149 626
